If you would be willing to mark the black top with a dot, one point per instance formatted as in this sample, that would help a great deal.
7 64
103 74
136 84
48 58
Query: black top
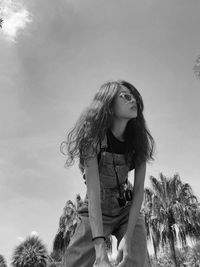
114 145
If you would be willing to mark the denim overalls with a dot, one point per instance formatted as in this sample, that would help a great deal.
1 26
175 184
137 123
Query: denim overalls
80 251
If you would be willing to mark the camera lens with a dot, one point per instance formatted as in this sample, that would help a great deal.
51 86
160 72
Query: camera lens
121 201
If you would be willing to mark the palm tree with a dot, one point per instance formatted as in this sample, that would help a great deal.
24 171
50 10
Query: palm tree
54 260
67 227
2 261
30 253
194 256
172 213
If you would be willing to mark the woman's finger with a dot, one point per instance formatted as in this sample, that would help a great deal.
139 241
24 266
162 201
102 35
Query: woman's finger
125 263
119 257
102 264
121 264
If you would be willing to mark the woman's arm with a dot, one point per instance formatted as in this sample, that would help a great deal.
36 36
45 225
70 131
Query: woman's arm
95 213
124 248
138 194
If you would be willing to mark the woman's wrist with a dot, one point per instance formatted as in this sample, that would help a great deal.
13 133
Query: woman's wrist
98 241
99 237
127 239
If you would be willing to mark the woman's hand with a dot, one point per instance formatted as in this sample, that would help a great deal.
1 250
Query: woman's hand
124 254
103 262
101 254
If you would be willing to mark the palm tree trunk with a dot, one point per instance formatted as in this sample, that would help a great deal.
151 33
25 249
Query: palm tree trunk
172 248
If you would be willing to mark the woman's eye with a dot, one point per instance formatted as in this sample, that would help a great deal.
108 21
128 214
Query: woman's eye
129 97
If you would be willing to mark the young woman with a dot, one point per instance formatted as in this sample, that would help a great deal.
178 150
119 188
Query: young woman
110 139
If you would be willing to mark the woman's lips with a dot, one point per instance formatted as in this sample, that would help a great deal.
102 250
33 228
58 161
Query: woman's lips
133 107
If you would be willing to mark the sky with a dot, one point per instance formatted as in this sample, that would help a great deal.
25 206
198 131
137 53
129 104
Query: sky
54 56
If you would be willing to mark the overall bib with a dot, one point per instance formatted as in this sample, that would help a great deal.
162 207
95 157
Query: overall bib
80 251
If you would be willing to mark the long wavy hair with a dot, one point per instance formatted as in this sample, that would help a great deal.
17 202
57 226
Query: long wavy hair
96 119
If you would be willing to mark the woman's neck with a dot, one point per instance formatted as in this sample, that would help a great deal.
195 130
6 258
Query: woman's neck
118 128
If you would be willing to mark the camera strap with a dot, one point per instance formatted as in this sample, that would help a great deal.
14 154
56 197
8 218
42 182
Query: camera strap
117 178
116 175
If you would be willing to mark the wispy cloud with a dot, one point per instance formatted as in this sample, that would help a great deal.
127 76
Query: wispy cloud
15 18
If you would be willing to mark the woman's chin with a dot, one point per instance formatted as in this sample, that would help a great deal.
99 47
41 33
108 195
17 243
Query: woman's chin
134 115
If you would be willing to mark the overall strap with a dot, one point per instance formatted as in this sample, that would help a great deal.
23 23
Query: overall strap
103 146
116 175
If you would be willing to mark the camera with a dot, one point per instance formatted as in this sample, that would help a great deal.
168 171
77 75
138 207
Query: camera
126 196
121 201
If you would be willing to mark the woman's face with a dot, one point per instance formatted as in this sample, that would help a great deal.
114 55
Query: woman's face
124 105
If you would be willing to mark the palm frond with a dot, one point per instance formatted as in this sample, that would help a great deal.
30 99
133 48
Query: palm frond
172 212
2 261
31 252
